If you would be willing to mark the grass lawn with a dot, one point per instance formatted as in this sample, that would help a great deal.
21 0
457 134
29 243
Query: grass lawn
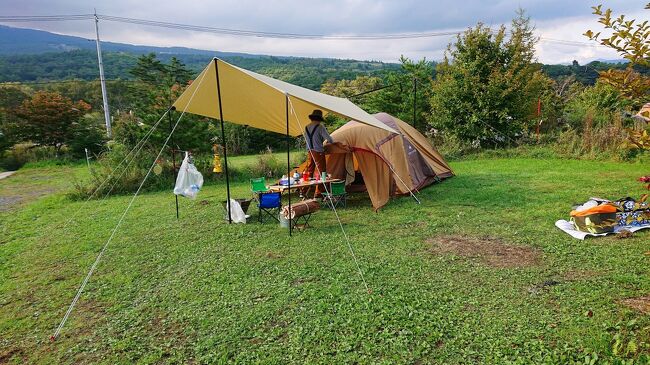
475 274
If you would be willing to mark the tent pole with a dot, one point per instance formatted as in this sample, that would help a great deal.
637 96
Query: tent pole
406 186
223 137
288 160
171 126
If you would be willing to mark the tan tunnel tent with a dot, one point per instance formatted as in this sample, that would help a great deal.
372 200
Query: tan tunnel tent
384 164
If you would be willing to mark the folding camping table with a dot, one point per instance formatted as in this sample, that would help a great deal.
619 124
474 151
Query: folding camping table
305 184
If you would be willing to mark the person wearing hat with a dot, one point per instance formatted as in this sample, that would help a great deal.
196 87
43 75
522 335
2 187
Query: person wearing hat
315 136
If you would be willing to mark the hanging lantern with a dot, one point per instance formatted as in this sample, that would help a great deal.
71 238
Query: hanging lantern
157 169
216 160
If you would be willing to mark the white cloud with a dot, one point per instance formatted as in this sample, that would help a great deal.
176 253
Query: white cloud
571 29
555 19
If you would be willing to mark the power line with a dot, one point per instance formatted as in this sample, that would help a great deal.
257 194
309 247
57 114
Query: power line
12 83
571 43
44 18
224 31
263 34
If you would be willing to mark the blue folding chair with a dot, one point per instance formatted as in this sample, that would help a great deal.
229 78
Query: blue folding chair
270 204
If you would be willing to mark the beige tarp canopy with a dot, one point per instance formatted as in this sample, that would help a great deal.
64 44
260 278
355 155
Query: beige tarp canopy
259 101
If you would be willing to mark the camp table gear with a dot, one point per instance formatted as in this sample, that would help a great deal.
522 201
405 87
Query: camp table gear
336 195
270 204
299 185
258 185
244 203
632 213
299 213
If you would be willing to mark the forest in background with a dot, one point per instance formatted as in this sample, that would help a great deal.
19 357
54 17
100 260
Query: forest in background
488 93
81 65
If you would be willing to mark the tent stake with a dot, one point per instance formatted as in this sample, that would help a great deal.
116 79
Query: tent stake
173 154
223 137
288 160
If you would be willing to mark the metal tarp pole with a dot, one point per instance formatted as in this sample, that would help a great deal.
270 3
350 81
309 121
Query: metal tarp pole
223 137
288 161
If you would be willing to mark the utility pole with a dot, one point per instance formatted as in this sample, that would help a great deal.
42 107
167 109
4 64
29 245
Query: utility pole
102 80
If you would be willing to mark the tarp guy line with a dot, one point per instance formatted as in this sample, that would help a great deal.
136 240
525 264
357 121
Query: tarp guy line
132 159
101 253
143 141
347 240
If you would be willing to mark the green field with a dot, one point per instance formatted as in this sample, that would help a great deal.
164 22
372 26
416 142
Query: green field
475 274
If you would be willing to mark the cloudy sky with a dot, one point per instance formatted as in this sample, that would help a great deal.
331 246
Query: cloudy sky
564 20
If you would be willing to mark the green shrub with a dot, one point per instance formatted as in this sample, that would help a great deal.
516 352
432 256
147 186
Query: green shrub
108 177
87 133
596 139
29 154
268 165
596 106
451 147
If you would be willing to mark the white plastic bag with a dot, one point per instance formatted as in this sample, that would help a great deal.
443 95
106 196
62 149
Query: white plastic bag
189 180
236 212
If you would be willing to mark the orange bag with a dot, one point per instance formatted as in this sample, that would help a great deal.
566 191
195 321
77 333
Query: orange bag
603 208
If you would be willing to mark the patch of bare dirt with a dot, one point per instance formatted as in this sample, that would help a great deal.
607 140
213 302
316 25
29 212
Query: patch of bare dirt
8 202
642 304
7 355
490 251
165 328
268 254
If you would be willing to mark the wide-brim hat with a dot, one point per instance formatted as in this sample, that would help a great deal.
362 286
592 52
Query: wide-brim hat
317 114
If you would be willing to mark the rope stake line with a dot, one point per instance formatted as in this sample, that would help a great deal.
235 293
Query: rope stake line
57 332
141 143
126 168
347 239
403 183
97 189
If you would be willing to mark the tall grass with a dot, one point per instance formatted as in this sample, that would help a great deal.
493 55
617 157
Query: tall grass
599 141
28 154
107 179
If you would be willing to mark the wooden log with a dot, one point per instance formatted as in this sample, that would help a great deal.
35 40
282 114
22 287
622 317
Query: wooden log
301 208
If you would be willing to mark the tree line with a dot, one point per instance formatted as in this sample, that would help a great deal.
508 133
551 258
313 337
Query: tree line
489 91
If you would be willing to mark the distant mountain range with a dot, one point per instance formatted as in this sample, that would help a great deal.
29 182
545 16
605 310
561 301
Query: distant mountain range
15 41
28 55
